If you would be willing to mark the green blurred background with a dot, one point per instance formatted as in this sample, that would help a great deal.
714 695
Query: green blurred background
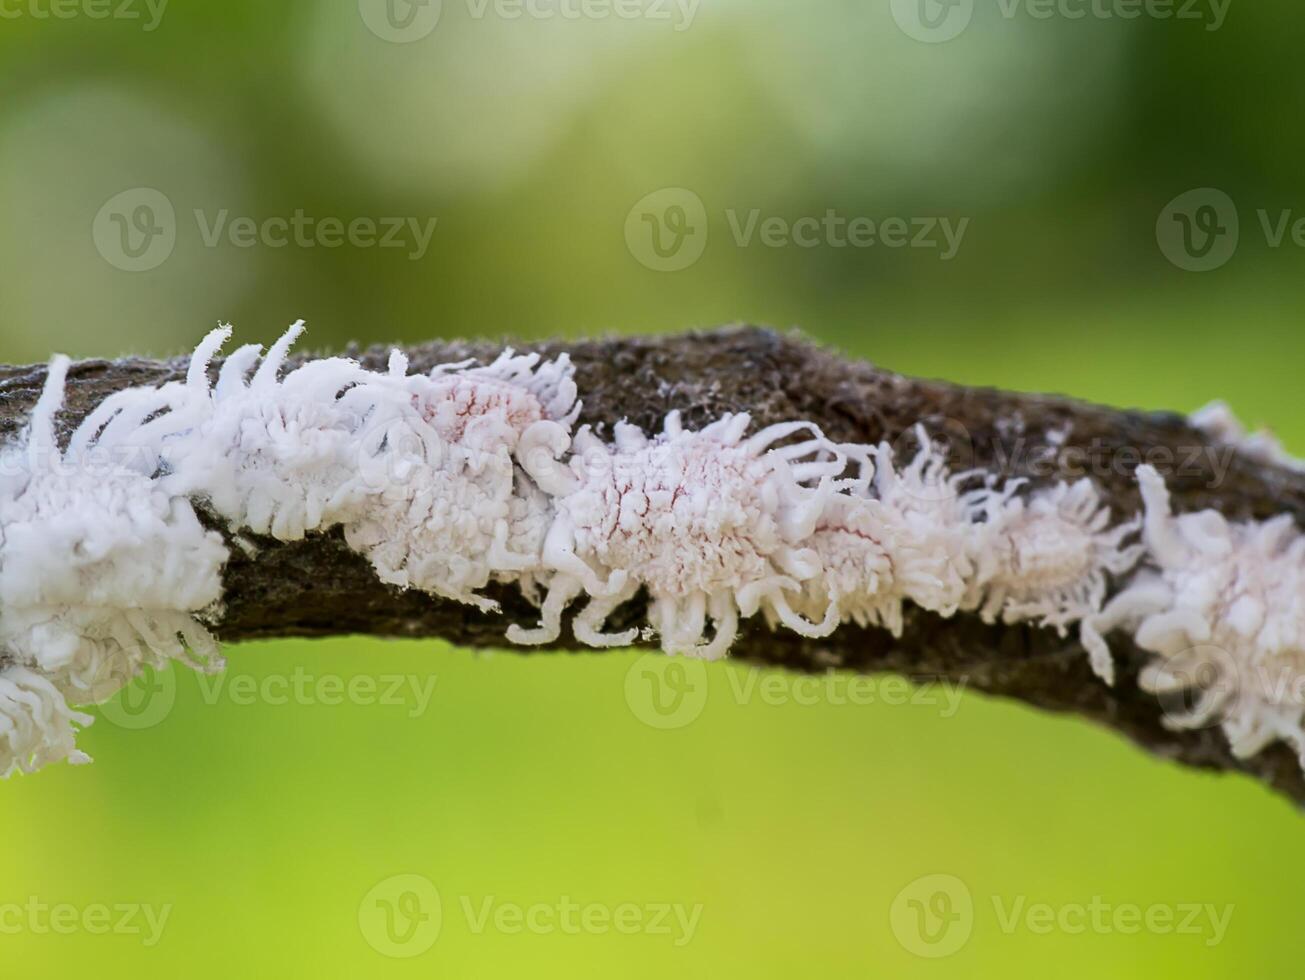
269 814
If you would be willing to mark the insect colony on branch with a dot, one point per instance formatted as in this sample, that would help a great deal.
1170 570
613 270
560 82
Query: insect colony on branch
450 480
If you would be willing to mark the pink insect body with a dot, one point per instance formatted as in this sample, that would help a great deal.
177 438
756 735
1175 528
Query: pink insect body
1046 556
711 524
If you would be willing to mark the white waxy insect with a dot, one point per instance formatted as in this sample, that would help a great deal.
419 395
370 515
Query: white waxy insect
417 469
1218 422
36 725
1222 608
101 571
445 508
1046 556
273 456
713 525
891 536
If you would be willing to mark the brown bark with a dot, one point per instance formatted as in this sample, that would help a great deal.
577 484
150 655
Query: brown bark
318 587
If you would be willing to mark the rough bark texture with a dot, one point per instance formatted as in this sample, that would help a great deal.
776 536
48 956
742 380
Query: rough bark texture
318 587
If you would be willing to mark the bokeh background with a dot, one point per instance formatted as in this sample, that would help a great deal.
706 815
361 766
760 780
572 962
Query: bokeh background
594 174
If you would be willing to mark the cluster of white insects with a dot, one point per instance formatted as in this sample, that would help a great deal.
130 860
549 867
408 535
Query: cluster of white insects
101 569
467 475
1220 607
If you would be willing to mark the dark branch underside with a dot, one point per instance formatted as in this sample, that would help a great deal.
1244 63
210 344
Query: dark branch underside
318 587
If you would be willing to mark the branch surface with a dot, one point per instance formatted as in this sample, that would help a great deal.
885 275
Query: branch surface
319 587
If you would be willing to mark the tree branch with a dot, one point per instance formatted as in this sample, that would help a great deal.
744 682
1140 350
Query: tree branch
319 587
